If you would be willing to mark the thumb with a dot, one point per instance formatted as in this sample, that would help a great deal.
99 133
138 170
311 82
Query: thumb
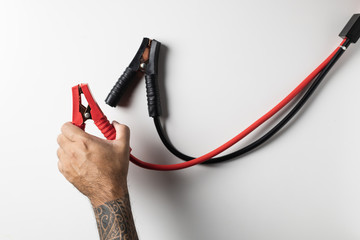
122 132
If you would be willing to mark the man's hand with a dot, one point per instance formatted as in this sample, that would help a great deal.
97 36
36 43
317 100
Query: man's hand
96 167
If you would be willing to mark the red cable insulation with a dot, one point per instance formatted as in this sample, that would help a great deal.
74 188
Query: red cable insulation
244 133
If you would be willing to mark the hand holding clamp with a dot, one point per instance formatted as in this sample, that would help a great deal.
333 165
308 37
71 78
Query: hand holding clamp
92 111
145 60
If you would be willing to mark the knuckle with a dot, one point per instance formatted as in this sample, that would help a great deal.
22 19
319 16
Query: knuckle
65 169
73 153
59 153
66 130
59 139
63 127
83 144
88 155
68 153
60 166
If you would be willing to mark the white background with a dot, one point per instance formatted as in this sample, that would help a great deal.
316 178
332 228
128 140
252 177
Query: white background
224 63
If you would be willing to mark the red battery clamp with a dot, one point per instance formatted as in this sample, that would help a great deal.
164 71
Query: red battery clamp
92 111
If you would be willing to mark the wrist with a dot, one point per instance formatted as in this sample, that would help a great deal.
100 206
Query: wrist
105 195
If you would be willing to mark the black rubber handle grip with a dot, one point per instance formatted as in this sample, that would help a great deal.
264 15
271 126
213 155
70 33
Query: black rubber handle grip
153 95
119 88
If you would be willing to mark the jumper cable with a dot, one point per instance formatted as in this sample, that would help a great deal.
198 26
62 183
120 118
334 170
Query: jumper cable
82 113
147 56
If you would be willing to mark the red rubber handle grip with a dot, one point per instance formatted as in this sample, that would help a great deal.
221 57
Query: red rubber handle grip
106 128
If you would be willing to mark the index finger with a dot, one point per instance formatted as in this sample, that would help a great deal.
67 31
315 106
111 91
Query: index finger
73 132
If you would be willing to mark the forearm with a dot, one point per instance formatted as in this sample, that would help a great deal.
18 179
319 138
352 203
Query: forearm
115 221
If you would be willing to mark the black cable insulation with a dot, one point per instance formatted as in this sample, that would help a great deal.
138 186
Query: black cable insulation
315 83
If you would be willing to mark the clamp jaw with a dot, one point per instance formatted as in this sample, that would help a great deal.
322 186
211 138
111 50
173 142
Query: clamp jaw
145 60
92 111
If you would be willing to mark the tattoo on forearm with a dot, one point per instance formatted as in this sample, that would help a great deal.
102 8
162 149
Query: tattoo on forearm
115 221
